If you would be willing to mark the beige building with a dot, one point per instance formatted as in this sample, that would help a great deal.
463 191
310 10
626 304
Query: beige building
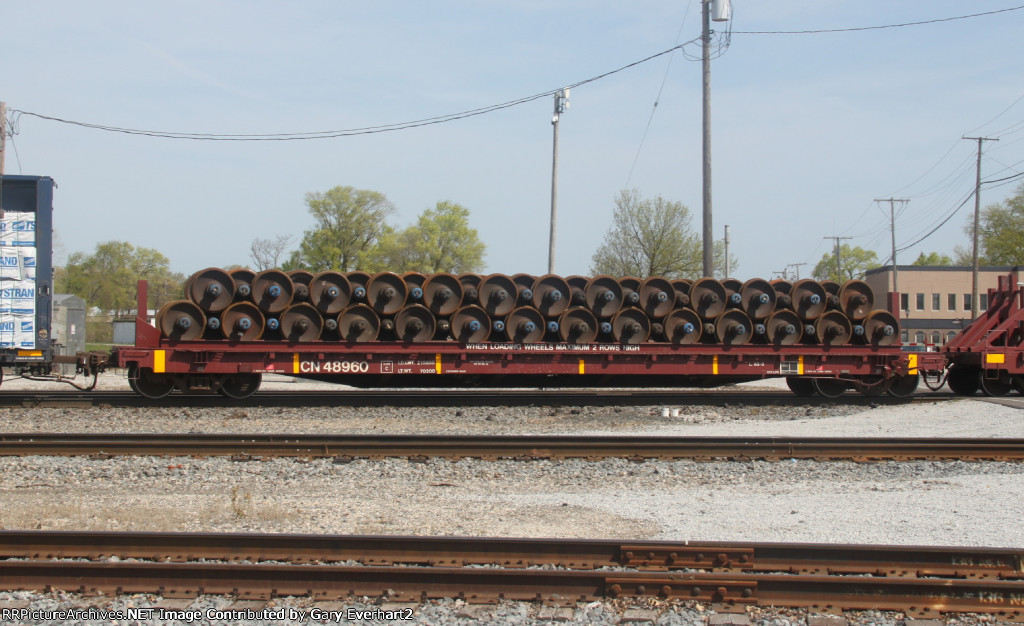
935 300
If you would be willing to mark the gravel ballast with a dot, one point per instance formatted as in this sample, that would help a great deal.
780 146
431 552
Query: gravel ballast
938 503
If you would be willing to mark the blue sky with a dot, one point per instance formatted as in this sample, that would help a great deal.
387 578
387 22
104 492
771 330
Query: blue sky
807 129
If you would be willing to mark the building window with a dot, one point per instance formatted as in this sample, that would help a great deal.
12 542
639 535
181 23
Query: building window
919 337
904 336
950 335
904 302
937 338
951 302
967 302
936 302
983 301
920 301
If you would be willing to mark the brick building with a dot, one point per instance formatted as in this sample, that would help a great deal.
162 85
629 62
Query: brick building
935 300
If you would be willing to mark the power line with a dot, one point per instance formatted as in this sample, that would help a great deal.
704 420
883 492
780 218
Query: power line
350 132
657 99
998 116
862 28
999 180
940 225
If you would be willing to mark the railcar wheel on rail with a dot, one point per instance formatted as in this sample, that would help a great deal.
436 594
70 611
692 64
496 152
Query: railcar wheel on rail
803 387
144 382
240 386
830 387
996 386
964 380
904 386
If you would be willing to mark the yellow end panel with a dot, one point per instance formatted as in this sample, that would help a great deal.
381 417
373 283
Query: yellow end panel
30 353
437 363
997 359
159 361
912 364
714 365
800 365
295 363
581 366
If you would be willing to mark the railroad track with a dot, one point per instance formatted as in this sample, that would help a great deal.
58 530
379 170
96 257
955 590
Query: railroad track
523 447
454 397
923 581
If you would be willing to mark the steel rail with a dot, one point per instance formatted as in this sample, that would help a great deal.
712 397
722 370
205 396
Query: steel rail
803 558
529 447
923 597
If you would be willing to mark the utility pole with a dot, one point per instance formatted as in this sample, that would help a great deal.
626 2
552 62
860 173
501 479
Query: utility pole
726 251
892 229
839 264
3 135
561 104
709 242
977 224
796 267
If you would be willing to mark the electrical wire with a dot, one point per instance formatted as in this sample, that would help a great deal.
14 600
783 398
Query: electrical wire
863 28
940 225
973 130
929 170
999 180
657 98
330 134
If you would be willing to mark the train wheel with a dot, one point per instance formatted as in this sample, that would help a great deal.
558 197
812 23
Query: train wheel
830 387
147 384
904 386
801 386
240 385
964 381
996 387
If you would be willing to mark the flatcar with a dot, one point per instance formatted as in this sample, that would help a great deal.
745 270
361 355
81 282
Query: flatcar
413 330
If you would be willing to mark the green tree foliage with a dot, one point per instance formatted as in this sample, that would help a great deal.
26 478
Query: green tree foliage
855 262
1001 231
349 224
1000 234
652 238
441 240
933 258
106 279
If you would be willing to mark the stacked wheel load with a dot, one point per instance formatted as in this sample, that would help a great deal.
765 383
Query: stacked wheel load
298 306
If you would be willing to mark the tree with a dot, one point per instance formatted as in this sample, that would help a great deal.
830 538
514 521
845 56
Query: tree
266 253
349 223
106 279
652 238
855 262
1001 231
440 241
933 258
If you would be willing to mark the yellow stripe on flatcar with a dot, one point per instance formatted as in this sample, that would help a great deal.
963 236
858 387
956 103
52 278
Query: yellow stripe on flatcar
995 358
30 353
581 366
912 364
714 365
159 361
295 363
437 363
800 365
